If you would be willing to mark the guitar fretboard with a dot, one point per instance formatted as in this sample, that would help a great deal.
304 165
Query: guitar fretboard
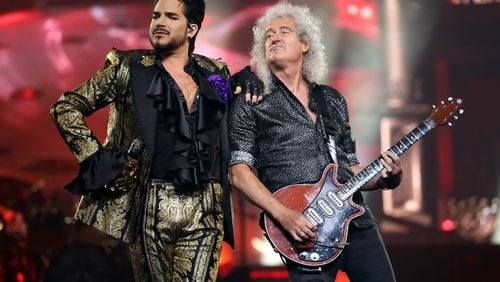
370 171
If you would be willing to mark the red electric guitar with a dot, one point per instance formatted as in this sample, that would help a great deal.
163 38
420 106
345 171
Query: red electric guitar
329 205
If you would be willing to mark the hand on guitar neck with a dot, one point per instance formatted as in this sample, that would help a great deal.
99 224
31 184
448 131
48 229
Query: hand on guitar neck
390 176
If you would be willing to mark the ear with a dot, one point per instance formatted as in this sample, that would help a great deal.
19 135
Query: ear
305 47
192 30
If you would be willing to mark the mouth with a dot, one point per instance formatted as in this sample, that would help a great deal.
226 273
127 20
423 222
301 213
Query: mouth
160 32
276 47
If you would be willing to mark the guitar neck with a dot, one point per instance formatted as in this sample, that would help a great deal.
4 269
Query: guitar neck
374 168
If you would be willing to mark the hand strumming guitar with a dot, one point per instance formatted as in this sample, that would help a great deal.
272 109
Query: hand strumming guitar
296 224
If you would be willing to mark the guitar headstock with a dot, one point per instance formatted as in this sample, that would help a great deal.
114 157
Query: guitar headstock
446 112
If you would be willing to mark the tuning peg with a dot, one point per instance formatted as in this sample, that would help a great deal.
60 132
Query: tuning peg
450 98
461 111
455 117
450 124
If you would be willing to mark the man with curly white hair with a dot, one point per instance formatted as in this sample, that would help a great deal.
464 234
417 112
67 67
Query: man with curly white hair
299 128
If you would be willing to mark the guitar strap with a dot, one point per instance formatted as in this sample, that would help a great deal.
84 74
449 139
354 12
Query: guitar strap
329 140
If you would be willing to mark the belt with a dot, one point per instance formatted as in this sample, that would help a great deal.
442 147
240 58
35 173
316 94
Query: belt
164 184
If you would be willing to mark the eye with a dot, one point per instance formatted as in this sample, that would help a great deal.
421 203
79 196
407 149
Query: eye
155 15
269 35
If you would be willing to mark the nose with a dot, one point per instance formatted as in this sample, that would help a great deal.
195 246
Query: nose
160 22
275 37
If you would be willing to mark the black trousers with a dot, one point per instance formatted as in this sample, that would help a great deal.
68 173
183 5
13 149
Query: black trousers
364 260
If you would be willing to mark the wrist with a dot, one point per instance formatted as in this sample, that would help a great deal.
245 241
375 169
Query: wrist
387 183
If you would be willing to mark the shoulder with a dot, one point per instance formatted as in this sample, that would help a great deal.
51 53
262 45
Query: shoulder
211 65
116 56
238 101
330 94
327 90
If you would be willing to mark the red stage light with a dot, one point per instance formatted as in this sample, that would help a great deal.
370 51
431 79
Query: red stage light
268 274
26 93
447 225
283 274
226 262
20 277
16 17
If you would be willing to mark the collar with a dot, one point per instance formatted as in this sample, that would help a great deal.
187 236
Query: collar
199 74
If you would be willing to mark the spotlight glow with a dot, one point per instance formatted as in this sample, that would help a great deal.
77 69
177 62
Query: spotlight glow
447 225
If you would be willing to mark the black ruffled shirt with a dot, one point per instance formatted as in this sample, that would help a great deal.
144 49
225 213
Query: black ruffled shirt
185 159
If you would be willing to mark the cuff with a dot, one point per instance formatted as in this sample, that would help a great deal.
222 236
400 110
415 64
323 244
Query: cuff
98 170
352 159
238 157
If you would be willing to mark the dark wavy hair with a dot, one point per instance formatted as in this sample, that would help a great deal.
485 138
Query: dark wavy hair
194 11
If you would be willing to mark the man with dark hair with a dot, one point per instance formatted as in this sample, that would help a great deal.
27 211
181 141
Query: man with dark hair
167 196
301 127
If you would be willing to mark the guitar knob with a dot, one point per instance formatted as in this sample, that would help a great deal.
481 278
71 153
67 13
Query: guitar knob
450 124
433 106
449 98
461 111
442 102
455 117
314 256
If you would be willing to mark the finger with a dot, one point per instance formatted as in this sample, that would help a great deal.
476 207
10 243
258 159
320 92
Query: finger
392 155
384 173
296 237
254 99
309 233
387 166
248 92
396 162
303 235
260 98
309 228
237 90
386 157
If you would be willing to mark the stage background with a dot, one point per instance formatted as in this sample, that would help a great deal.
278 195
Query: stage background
440 225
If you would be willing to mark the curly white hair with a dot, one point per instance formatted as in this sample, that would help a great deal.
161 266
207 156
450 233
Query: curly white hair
315 65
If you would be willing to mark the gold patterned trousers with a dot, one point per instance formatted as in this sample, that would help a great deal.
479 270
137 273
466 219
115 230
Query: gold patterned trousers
181 234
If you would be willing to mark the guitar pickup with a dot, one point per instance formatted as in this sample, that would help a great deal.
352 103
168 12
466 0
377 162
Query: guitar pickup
325 207
335 199
313 216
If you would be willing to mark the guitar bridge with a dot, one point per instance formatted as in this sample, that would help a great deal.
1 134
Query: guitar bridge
340 245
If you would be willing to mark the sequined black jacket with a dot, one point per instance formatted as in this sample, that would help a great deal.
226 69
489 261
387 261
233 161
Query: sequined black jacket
282 142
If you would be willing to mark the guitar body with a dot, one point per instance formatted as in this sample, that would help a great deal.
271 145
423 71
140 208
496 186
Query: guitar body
331 233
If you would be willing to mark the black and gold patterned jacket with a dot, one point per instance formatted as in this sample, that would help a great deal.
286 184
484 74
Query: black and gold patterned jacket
122 84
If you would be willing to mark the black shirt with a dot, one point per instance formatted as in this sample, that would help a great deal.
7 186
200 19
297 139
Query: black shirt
183 161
